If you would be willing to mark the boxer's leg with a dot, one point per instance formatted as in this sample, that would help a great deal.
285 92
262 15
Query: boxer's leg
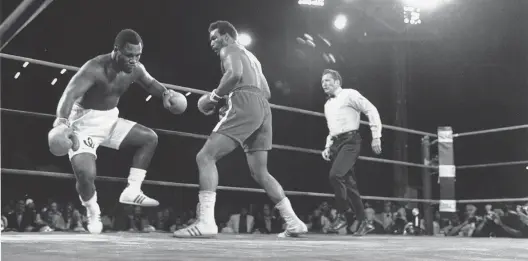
128 134
85 170
216 147
256 147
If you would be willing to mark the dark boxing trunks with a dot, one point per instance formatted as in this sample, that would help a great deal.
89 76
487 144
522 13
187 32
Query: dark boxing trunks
247 119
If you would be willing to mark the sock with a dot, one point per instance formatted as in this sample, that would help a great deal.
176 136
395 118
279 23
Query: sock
286 210
91 205
135 178
89 202
206 207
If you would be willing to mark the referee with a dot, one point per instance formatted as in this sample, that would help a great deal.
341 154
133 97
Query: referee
342 111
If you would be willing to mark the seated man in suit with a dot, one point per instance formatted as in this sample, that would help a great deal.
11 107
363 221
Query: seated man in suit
240 223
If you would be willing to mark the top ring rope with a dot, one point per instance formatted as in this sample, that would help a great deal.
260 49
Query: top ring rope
275 146
469 133
186 89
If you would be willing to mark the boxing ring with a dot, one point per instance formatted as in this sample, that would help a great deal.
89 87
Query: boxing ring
161 246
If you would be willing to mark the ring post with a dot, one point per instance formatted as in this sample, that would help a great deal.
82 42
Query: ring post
426 185
446 171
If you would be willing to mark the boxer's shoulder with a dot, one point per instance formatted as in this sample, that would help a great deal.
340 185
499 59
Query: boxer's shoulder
95 66
228 50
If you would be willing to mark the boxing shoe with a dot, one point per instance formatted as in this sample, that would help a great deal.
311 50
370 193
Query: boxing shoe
294 229
136 197
364 228
95 226
198 229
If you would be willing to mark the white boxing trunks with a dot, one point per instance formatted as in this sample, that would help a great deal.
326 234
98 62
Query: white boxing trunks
98 128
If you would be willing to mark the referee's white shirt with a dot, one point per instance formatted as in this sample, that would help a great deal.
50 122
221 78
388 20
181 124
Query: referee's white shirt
343 112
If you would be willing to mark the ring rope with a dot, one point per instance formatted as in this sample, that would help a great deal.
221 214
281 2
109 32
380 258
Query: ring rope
498 164
493 200
188 185
292 193
516 127
275 146
186 89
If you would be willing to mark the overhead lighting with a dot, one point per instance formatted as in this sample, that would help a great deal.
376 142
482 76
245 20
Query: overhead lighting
411 15
17 75
244 39
63 71
54 81
312 2
340 22
25 64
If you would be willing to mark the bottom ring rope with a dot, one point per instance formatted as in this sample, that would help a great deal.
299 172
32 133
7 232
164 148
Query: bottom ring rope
292 193
187 185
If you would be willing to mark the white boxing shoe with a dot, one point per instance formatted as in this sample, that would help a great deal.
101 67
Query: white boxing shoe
198 229
95 226
294 229
136 197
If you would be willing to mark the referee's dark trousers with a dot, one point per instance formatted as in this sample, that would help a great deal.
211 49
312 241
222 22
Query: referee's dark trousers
344 152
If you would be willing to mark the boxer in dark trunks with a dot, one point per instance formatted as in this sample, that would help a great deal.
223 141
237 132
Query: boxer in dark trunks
246 122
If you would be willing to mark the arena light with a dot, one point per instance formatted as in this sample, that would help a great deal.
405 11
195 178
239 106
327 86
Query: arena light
411 15
63 71
54 81
17 75
340 22
244 39
312 2
25 64
424 4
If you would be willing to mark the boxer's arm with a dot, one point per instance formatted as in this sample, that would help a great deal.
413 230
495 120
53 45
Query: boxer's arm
232 63
80 83
360 103
150 84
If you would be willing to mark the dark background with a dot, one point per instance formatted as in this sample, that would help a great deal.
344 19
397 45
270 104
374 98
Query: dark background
467 67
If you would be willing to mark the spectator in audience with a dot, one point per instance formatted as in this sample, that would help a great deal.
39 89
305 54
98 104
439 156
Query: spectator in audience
370 216
499 224
240 223
468 226
400 220
437 221
266 223
73 218
163 220
386 217
325 208
191 215
25 218
138 222
488 209
55 219
333 218
318 223
178 224
107 220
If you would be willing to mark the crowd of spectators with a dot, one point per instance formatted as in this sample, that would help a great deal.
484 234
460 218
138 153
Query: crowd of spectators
387 218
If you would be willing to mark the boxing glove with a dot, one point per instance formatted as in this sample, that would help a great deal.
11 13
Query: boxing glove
174 102
61 139
206 105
